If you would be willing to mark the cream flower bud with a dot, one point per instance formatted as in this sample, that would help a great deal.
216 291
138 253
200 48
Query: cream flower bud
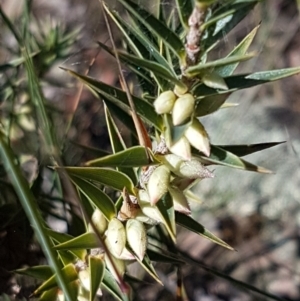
115 237
183 108
151 214
99 221
85 279
179 200
193 169
198 137
164 102
158 183
182 148
136 237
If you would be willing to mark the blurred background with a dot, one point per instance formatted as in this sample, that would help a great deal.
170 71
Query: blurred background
259 215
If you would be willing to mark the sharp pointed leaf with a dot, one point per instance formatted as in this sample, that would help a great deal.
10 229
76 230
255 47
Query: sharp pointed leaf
166 209
97 268
184 8
119 98
97 197
240 49
105 176
163 256
42 272
156 26
227 61
50 295
148 267
210 104
117 144
238 9
69 273
247 149
86 240
237 82
189 223
157 69
132 157
149 50
222 157
110 284
59 237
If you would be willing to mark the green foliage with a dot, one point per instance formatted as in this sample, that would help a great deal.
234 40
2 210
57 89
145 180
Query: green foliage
140 188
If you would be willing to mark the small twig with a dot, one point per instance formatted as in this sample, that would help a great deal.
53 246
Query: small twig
194 35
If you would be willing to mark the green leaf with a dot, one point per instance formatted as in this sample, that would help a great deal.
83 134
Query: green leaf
184 8
97 269
28 202
50 295
60 237
88 240
133 34
69 272
148 267
234 281
239 9
201 68
210 104
240 49
167 212
156 26
157 69
105 176
117 144
189 223
237 82
97 197
110 284
119 98
222 157
92 150
247 149
163 256
42 272
131 157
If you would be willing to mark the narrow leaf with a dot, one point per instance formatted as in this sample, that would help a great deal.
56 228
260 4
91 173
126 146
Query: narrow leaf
132 157
117 144
166 209
189 223
151 66
163 256
148 267
240 49
97 197
218 30
210 104
69 273
42 272
184 8
28 202
109 177
86 240
97 268
119 98
133 30
110 284
222 157
227 61
237 82
247 149
156 26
